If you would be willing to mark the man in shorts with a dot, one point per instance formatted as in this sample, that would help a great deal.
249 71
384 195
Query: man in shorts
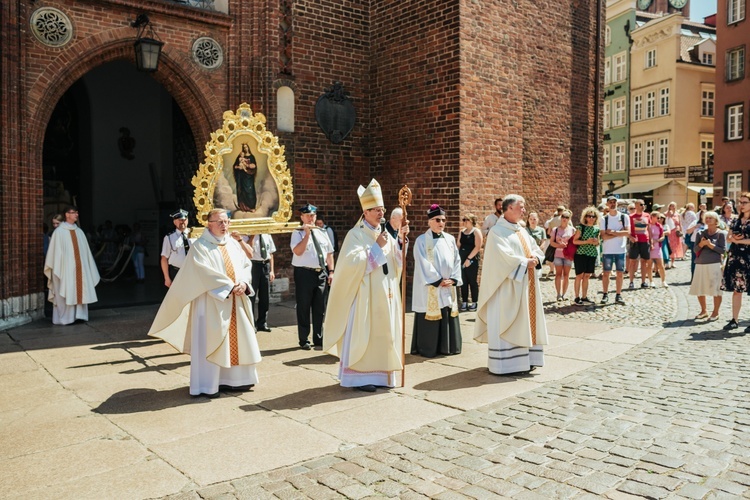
640 243
615 229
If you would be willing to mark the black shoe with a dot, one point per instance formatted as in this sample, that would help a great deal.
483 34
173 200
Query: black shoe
263 328
305 347
605 298
618 299
644 285
203 394
577 301
366 388
586 300
238 388
732 325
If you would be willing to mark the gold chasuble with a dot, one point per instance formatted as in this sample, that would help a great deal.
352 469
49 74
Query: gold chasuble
372 299
212 266
505 255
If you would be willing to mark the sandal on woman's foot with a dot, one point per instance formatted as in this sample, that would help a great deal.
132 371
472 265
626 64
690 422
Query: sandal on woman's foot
702 315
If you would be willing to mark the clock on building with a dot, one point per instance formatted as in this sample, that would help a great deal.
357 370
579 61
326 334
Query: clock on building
644 4
678 4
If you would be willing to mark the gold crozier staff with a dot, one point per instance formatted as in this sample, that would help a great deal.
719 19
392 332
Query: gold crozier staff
404 200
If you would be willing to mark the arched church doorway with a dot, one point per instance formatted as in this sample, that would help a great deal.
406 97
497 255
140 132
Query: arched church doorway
119 147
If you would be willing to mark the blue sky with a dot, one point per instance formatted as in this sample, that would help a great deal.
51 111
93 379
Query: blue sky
701 8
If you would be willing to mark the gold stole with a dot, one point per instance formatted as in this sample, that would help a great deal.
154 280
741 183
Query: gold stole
532 288
234 357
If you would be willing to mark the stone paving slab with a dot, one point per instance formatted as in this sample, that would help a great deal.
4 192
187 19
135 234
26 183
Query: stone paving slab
234 452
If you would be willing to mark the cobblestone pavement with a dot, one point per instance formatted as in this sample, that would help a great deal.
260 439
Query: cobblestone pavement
668 419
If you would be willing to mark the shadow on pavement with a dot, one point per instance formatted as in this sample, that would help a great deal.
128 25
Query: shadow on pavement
273 352
470 378
127 345
308 398
718 334
323 359
140 400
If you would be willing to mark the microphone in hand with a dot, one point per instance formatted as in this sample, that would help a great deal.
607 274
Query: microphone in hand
382 230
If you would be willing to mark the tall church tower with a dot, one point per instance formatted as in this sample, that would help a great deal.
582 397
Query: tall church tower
664 6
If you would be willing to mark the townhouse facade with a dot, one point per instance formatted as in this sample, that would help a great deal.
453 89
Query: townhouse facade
732 140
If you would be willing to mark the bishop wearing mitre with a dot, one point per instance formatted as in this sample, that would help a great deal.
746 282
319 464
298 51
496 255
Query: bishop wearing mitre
364 329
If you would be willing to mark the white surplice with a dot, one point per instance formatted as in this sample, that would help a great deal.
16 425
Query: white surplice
444 264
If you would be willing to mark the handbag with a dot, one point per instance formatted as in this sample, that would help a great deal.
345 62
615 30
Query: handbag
549 254
570 250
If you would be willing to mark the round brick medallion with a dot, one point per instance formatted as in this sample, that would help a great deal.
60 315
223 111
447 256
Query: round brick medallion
208 53
51 26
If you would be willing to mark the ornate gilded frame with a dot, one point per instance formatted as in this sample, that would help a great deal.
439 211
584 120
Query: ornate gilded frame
214 187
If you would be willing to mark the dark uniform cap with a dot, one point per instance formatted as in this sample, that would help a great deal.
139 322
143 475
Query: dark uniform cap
180 214
308 209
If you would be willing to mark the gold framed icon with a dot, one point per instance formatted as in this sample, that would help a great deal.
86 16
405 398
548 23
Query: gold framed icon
245 172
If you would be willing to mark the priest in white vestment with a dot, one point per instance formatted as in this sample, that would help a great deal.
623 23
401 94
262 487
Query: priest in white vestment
437 273
510 314
364 327
71 272
207 313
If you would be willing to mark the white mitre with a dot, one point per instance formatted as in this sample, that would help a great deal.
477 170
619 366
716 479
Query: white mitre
371 196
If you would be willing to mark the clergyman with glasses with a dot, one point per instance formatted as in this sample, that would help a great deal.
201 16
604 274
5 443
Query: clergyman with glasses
71 272
207 313
510 316
364 329
437 273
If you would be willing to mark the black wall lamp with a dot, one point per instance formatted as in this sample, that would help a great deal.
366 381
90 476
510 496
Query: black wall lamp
147 48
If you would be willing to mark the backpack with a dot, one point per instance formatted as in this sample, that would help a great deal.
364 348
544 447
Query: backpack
622 221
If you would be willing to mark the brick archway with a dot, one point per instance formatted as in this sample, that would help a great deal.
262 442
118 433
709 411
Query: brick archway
185 83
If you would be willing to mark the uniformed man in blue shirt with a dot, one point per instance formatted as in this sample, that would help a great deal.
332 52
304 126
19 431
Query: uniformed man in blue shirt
312 260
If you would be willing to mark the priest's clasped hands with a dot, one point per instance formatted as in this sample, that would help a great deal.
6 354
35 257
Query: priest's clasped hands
239 289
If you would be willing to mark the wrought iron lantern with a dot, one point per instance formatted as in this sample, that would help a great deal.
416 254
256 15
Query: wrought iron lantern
147 48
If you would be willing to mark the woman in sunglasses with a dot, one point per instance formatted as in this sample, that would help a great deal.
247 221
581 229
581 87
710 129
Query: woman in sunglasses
559 239
587 239
469 243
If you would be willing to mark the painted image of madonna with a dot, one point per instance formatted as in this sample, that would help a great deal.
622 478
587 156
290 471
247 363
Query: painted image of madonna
246 188
245 168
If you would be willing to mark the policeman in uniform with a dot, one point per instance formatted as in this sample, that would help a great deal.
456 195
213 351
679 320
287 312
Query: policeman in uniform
175 247
262 276
313 269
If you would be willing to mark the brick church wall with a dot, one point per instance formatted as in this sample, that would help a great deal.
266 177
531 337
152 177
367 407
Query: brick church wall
527 104
416 77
